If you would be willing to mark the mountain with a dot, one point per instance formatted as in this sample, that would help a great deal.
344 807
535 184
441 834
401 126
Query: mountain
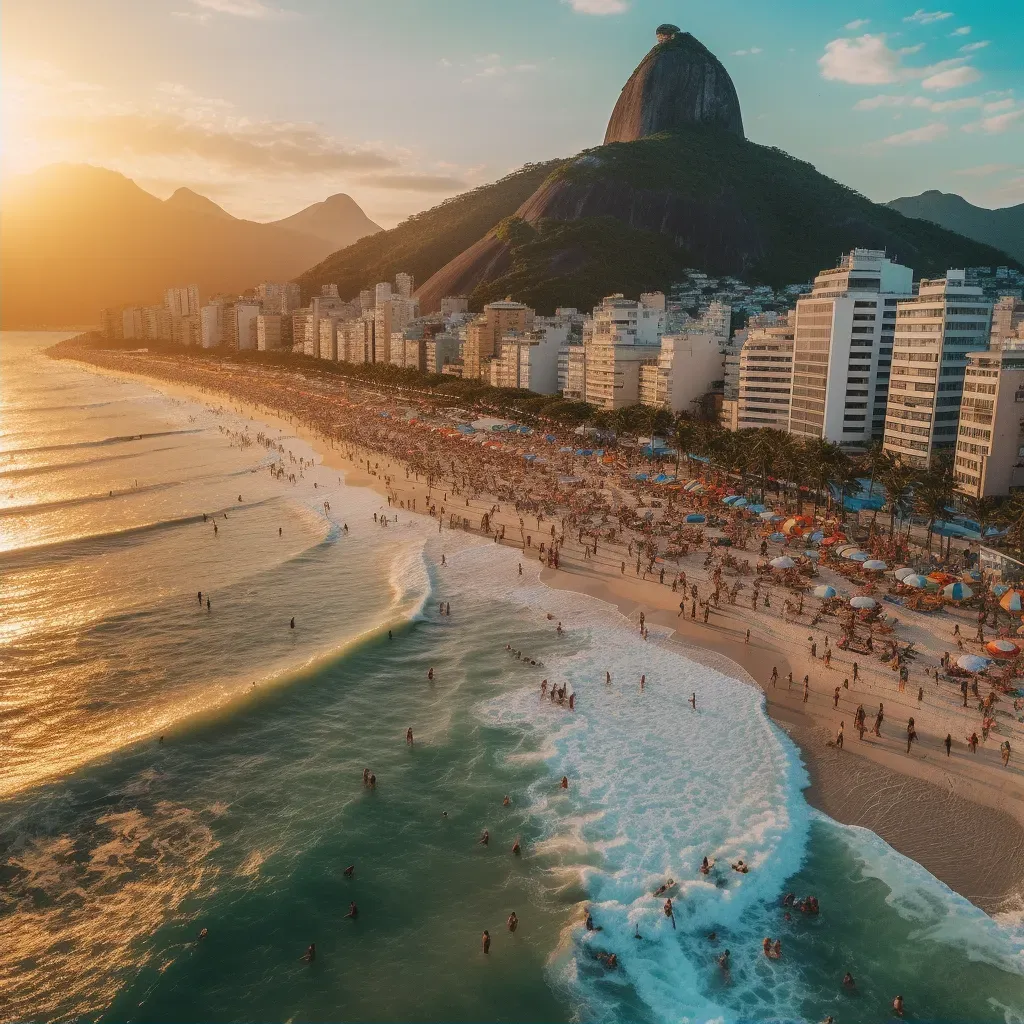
684 189
186 200
338 220
679 83
1002 228
76 238
428 240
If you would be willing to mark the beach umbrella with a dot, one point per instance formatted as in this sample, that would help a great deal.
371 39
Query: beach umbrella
845 549
999 589
755 508
903 572
824 592
777 537
957 591
782 562
730 499
739 503
1002 649
793 527
971 576
812 555
972 662
863 602
876 564
916 581
696 517
858 556
1011 601
941 578
817 537
767 515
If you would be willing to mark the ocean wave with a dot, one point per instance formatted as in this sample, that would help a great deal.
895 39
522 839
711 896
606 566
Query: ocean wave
85 499
100 443
63 467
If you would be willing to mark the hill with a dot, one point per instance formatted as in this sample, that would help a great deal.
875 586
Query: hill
428 240
337 220
633 214
1003 228
76 238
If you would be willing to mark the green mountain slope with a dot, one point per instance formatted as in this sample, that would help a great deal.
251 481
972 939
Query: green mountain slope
632 214
428 240
1002 228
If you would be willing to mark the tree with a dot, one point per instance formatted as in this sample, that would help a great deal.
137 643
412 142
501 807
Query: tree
898 479
934 492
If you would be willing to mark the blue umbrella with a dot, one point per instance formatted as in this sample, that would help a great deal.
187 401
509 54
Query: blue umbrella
824 592
696 517
755 508
777 537
957 592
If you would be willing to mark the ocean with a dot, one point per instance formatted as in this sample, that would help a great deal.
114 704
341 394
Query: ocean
170 768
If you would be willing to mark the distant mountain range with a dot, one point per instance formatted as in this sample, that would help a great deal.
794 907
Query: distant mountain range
1003 228
76 238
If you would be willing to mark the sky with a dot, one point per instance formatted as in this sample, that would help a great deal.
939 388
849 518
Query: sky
267 106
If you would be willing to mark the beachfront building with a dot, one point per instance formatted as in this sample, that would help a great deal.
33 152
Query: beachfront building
575 387
404 285
279 297
485 331
989 457
620 336
765 373
453 305
441 349
182 301
244 334
529 359
1007 320
935 331
273 332
211 324
390 315
842 348
690 363
355 339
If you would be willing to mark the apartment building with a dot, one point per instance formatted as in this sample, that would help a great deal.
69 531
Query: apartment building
1007 320
530 359
273 332
484 332
452 305
182 301
245 314
620 336
404 285
989 458
440 350
355 339
211 324
390 315
842 348
935 331
280 297
765 373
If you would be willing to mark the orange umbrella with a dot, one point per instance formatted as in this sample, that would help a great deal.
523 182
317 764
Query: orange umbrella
1002 649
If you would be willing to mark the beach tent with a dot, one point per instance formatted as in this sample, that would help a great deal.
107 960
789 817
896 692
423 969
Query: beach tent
1006 649
1011 601
793 527
971 576
550 437
876 565
863 602
816 537
903 572
824 592
465 428
739 503
957 592
972 662
782 562
730 499
845 549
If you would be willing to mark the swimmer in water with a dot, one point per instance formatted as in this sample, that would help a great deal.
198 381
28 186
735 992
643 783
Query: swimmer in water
705 867
485 838
349 871
430 674
202 934
741 867
485 941
565 782
669 913
408 736
310 955
353 910
507 801
848 982
723 961
662 889
512 922
516 848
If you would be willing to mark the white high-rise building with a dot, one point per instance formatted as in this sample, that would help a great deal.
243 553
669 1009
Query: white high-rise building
766 375
381 292
245 325
935 331
390 315
619 336
132 322
182 301
842 348
211 324
529 359
279 298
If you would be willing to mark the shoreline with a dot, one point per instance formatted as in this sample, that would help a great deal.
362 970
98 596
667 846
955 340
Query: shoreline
933 813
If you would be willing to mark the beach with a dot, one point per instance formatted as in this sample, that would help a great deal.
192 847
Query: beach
653 783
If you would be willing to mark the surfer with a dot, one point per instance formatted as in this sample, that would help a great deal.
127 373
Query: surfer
662 889
669 913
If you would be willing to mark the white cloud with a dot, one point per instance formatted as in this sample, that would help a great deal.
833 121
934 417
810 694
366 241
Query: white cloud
915 136
997 124
493 67
866 60
852 26
923 17
941 106
598 7
923 103
963 30
444 62
745 53
242 8
951 78
877 102
998 105
983 170
972 47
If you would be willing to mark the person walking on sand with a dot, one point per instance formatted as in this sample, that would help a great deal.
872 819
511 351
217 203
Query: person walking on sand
948 743
879 717
775 675
911 734
693 701
835 698
807 688
839 736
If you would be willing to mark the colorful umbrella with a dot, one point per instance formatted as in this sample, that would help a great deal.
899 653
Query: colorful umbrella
1002 649
812 555
1011 601
999 589
972 662
863 602
777 537
858 556
696 517
903 572
913 580
876 564
957 592
767 515
824 592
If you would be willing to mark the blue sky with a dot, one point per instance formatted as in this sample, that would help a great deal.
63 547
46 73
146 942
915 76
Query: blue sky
268 105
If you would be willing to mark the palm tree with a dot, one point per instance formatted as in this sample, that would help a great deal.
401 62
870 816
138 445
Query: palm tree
683 434
983 511
873 460
898 479
844 474
1013 514
933 493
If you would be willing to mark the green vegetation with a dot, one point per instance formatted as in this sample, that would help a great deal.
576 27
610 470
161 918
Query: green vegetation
426 241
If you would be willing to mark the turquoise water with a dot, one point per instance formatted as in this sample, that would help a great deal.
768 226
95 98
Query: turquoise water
116 849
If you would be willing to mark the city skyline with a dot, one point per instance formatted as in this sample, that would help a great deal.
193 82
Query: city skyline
262 106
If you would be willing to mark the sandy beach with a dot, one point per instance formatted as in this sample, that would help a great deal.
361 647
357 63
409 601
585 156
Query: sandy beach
961 816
